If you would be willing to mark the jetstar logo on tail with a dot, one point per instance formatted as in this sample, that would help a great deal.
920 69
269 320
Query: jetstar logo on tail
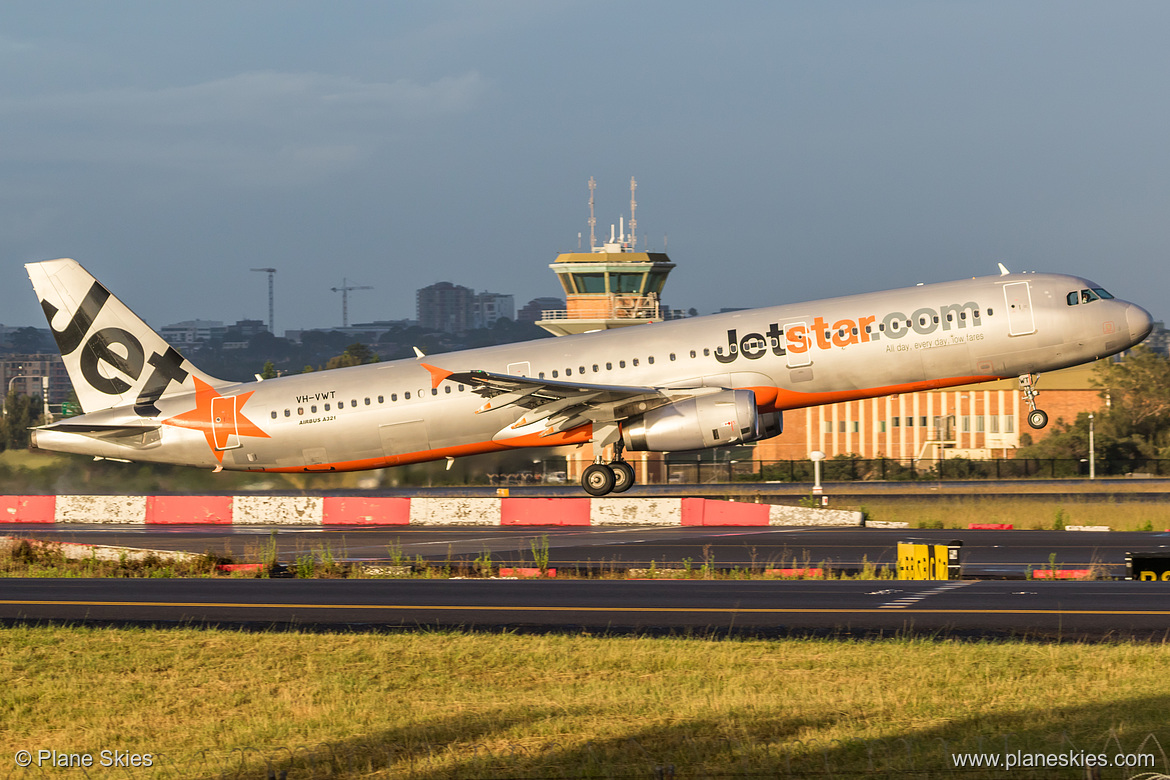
800 337
112 351
219 417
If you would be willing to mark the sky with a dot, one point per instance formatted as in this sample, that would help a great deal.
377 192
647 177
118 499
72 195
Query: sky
784 151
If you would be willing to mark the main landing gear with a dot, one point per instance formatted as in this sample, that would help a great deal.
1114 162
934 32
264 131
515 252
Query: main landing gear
1037 418
602 478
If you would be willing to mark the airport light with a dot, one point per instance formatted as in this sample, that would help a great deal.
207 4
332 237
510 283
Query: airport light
816 456
1092 451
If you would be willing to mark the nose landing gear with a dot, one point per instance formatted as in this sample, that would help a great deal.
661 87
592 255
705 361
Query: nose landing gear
1037 418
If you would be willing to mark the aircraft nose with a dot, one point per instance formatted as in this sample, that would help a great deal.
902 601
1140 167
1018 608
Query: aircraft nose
1140 322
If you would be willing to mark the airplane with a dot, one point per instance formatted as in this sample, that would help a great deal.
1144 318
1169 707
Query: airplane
689 384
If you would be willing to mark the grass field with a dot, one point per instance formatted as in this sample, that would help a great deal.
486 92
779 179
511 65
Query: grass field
447 704
1023 513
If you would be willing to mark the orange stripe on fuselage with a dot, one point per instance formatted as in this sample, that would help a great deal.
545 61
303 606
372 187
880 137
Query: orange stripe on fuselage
768 399
579 435
777 399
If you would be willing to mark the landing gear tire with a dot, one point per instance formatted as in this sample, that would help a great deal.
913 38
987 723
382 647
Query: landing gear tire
598 480
624 476
1037 419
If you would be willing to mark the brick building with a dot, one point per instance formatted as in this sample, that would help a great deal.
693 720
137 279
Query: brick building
974 421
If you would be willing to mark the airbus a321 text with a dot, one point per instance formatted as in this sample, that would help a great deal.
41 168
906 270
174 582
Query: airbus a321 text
680 385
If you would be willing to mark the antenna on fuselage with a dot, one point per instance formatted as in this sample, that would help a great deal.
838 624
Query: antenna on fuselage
1003 271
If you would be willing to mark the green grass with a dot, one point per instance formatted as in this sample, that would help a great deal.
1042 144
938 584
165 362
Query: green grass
450 704
1027 514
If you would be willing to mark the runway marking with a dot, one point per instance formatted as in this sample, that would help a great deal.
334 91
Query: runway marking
906 601
556 608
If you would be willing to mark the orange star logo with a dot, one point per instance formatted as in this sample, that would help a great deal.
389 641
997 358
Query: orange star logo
219 417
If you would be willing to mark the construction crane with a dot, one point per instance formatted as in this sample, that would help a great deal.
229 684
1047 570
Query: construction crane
344 290
271 276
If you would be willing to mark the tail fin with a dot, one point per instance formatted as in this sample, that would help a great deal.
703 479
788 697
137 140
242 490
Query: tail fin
113 357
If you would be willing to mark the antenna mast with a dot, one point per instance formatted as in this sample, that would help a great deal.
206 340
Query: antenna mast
344 290
592 218
271 275
633 219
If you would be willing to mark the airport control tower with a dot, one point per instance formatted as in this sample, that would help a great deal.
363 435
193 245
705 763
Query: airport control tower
612 285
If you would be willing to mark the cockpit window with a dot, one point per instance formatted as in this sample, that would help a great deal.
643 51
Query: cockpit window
1088 296
1073 298
1104 294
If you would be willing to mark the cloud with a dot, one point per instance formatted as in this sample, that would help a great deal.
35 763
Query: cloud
264 127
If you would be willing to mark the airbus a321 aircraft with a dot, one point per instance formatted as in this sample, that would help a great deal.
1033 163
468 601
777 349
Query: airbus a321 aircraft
681 385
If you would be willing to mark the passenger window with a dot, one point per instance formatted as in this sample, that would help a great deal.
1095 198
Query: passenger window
406 396
672 356
446 389
706 352
555 374
274 415
393 397
540 375
650 360
694 354
609 366
975 314
621 364
568 372
381 399
288 412
313 409
596 368
1072 299
581 369
353 403
461 388
434 391
326 407
300 410
367 402
635 361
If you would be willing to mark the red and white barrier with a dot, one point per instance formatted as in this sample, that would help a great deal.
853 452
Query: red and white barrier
315 510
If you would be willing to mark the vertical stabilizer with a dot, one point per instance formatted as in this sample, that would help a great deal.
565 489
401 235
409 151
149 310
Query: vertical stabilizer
113 357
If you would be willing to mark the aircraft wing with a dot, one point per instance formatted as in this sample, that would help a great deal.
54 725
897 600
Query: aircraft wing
562 405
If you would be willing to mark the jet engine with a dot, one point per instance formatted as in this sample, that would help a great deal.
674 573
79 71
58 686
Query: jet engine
728 417
770 424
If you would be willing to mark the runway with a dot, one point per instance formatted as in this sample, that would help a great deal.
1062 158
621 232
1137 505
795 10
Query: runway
994 554
1089 610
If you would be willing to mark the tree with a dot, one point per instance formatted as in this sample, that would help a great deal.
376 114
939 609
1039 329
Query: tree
269 370
356 354
21 412
1135 422
1137 398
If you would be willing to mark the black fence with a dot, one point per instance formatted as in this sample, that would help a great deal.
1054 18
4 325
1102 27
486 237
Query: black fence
841 469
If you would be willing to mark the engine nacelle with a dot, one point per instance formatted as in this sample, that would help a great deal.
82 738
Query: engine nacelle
714 420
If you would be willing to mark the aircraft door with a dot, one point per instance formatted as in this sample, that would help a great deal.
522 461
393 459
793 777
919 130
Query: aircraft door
225 427
520 369
798 344
1018 297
